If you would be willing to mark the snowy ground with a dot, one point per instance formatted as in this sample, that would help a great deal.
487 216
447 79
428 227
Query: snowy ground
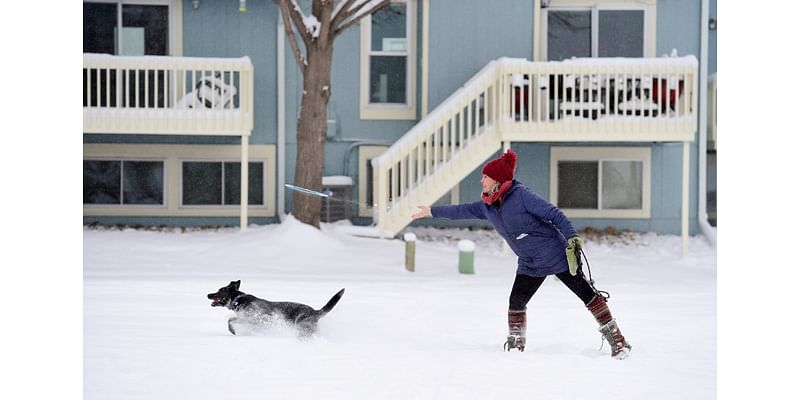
150 333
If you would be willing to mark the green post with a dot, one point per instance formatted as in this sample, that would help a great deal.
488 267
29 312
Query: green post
466 257
411 240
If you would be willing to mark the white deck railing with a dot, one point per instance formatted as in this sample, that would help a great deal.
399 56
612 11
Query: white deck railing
587 100
167 95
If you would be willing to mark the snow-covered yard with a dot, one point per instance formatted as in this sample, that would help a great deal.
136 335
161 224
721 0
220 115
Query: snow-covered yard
149 331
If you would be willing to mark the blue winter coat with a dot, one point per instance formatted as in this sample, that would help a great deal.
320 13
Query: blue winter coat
535 229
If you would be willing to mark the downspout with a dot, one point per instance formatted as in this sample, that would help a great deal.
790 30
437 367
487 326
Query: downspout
425 54
702 213
537 18
281 150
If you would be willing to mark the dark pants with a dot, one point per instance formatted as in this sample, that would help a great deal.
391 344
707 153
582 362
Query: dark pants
525 286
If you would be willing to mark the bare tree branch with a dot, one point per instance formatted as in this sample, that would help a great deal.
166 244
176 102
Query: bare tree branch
351 10
322 11
342 13
287 25
356 15
316 7
297 18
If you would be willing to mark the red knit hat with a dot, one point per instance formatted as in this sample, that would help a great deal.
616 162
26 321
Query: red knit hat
502 168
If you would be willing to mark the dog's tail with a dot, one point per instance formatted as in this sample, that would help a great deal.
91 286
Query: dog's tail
331 303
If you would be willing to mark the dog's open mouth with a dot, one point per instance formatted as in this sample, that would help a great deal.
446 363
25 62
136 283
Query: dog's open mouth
216 302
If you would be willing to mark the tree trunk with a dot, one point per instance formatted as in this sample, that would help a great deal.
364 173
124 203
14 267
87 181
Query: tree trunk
311 133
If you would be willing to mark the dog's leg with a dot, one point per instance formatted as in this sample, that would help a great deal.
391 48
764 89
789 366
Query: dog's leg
306 326
306 331
230 324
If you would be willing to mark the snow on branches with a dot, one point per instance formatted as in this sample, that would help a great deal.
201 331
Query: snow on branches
327 20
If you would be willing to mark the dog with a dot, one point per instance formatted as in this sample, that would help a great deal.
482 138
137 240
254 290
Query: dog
254 311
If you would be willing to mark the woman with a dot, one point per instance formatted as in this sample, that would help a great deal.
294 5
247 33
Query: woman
537 232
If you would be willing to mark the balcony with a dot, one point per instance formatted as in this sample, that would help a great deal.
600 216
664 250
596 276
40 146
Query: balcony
158 95
612 99
579 100
167 95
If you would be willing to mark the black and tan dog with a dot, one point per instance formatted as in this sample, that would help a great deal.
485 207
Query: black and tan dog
259 312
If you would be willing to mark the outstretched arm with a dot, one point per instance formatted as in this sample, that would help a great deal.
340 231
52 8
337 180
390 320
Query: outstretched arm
458 211
423 212
474 210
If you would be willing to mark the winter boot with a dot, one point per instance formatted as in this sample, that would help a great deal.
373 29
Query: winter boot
516 331
608 327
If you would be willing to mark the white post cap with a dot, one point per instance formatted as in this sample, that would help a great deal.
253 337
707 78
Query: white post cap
466 245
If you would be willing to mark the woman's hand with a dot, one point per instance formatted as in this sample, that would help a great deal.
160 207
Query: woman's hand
424 211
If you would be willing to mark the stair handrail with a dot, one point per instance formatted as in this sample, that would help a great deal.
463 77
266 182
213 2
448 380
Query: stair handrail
508 94
485 89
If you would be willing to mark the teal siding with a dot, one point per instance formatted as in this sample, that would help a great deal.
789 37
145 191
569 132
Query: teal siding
464 37
218 29
712 39
344 104
678 27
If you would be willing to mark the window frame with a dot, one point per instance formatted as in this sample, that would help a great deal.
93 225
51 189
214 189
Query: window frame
223 206
173 154
595 6
392 111
600 154
122 203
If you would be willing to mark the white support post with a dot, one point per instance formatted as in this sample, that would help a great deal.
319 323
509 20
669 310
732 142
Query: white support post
685 200
702 160
381 198
245 184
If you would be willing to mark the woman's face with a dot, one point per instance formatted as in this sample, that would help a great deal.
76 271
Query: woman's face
488 183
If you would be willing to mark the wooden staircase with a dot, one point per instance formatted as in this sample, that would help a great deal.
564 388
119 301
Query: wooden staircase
578 100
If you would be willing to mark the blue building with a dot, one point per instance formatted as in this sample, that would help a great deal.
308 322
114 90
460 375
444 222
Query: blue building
609 105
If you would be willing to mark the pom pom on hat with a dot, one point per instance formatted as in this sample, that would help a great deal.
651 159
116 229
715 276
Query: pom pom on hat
502 168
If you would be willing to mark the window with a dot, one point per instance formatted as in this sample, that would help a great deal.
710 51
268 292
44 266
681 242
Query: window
150 180
216 183
597 30
122 182
601 182
388 62
127 28
579 181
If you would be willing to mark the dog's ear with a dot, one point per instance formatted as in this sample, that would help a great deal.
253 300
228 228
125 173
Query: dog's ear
235 284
